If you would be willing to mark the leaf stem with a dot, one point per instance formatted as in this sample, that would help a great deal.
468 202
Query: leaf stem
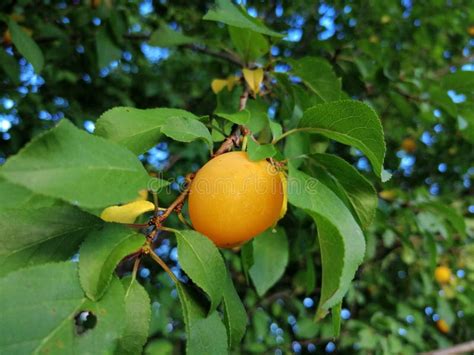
291 131
165 267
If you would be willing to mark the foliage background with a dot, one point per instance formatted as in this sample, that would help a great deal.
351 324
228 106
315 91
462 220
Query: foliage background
393 55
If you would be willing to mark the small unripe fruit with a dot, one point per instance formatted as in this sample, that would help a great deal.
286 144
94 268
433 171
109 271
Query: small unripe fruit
409 145
443 274
442 326
233 199
7 38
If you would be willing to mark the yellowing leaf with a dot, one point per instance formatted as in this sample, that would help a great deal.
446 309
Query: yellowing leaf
253 78
218 84
284 206
126 213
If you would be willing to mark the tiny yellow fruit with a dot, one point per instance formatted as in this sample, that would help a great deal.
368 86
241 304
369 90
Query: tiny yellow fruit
385 19
388 195
443 274
442 326
7 38
470 30
126 213
409 145
233 199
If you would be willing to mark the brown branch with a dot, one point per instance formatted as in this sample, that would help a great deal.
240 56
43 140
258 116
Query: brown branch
176 205
221 55
456 349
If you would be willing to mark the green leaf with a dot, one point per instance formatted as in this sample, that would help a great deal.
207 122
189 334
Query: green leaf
68 163
203 263
38 235
246 257
137 318
226 12
439 97
185 129
258 115
16 196
317 74
38 306
136 129
205 335
159 347
342 244
461 81
354 185
258 152
349 122
166 37
241 117
336 319
276 129
10 67
249 44
270 255
100 254
26 46
107 50
449 214
466 123
235 316
297 145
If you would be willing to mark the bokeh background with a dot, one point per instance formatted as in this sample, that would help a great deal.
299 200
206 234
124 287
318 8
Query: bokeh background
412 61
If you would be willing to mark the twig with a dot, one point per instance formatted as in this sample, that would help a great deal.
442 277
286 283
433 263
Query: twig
456 349
176 204
221 55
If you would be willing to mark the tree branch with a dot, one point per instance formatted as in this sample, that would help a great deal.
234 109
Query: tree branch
457 349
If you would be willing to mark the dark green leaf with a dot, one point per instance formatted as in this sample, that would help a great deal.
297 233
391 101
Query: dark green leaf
185 129
355 186
341 241
241 117
270 255
38 306
137 318
250 45
100 254
352 123
226 12
246 257
336 319
166 37
72 165
258 115
16 196
258 152
10 67
461 81
33 236
205 335
107 50
448 213
203 263
318 75
26 46
235 317
136 129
